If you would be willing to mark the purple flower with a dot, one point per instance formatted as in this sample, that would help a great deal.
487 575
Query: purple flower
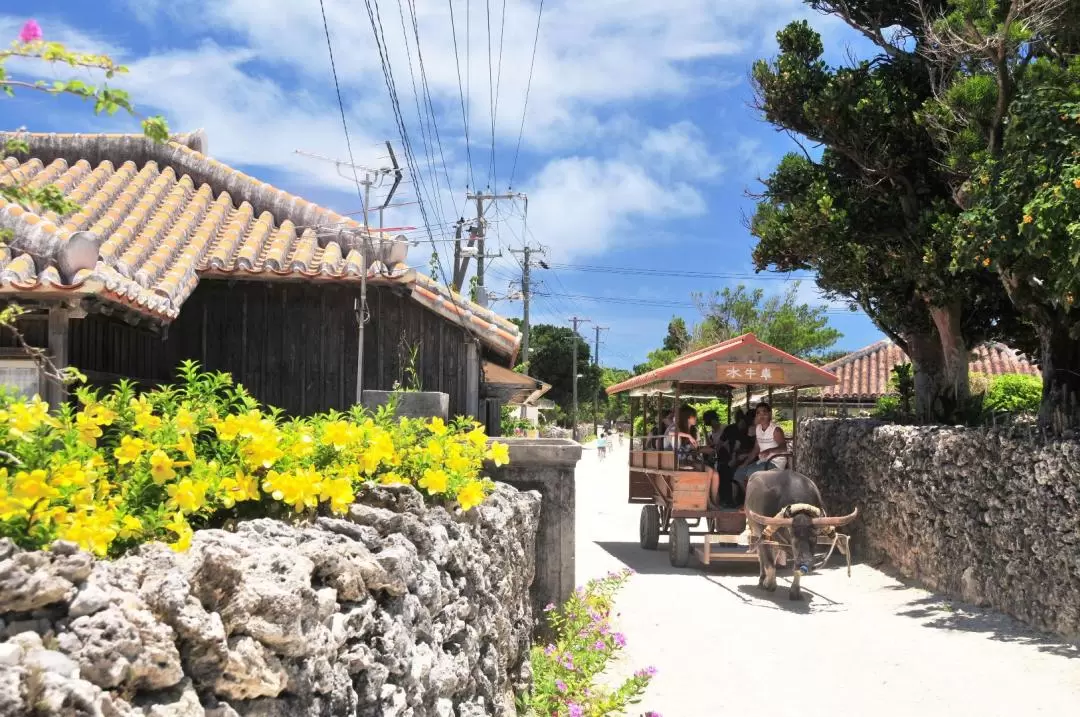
604 628
568 661
560 685
599 645
549 650
31 32
649 671
549 607
653 714
620 639
574 709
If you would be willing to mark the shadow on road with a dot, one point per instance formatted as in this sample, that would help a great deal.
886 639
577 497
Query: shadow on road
942 614
656 562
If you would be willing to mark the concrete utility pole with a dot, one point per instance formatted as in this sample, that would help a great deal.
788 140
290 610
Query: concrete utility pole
480 233
596 393
575 320
526 265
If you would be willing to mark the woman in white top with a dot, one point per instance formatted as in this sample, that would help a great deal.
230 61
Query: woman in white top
770 442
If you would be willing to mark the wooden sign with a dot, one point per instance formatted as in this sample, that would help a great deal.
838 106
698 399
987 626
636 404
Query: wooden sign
753 373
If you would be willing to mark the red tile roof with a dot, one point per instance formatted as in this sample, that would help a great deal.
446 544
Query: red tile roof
165 215
864 374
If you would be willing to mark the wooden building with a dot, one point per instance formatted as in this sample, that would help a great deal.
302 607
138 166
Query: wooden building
174 255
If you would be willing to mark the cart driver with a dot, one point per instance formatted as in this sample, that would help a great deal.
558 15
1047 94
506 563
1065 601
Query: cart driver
769 445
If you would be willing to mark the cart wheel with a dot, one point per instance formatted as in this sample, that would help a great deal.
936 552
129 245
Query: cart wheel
679 543
649 527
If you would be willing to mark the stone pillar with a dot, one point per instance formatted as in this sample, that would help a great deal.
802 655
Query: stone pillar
546 465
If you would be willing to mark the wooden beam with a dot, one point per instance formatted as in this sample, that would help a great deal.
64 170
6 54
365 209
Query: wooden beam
59 321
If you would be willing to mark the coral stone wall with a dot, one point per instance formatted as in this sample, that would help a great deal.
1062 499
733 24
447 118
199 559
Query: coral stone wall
988 516
400 609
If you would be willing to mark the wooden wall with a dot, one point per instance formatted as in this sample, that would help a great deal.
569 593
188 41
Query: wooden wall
291 345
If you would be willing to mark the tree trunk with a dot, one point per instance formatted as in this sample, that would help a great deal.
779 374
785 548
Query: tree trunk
955 390
928 360
1060 364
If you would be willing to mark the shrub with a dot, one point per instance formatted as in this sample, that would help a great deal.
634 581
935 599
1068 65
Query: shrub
566 672
1013 393
125 468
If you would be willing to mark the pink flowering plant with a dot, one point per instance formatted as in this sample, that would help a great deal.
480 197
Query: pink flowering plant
566 673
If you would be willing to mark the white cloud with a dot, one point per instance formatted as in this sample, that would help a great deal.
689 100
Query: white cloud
681 150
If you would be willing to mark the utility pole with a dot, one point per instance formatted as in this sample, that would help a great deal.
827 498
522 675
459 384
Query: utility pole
370 176
596 393
575 320
526 265
479 231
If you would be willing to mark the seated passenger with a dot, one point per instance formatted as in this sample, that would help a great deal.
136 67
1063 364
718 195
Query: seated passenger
769 446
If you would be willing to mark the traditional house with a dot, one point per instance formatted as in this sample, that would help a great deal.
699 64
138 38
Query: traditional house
864 377
174 255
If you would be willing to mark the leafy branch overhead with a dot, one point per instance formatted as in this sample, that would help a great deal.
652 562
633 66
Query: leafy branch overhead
30 46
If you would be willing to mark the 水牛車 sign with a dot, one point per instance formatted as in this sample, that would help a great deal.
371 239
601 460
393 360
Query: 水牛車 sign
749 373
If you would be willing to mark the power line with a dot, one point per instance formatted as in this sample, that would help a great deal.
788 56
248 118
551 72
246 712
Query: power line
341 107
632 271
461 91
528 88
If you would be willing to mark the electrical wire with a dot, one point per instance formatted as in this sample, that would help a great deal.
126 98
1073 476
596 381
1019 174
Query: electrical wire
681 273
461 91
528 88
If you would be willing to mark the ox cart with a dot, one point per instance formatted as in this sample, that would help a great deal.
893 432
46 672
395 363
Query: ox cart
674 493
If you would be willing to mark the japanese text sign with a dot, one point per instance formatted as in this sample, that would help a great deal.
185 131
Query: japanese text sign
749 373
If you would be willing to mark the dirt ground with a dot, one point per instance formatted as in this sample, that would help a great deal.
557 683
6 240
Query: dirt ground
865 645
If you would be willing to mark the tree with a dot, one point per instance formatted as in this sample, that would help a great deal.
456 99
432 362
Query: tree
654 360
781 320
1007 117
873 216
678 338
552 362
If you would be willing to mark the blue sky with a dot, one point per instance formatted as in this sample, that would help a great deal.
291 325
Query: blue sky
638 148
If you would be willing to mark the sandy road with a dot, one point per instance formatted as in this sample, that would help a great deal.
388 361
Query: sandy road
868 645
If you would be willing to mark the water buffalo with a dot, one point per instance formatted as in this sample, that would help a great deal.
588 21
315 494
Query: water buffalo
786 505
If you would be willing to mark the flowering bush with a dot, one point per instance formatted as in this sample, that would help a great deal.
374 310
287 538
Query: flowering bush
565 672
124 468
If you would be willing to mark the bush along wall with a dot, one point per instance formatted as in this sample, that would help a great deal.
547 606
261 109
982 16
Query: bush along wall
394 580
990 516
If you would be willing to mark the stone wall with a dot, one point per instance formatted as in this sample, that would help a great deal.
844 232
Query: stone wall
987 516
400 609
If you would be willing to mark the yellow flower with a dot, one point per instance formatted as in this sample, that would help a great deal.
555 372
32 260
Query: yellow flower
184 533
457 461
337 434
434 481
27 417
145 421
228 429
1028 219
1076 182
299 489
392 478
239 488
499 453
303 446
434 450
986 262
130 527
70 475
89 430
262 452
129 450
93 532
477 437
161 467
32 487
471 495
437 426
185 445
188 495
99 414
340 494
185 421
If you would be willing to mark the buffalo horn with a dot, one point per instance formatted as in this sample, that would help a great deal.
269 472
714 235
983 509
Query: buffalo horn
762 520
835 522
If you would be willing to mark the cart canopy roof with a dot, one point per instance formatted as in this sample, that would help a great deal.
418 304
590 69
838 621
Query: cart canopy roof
741 361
